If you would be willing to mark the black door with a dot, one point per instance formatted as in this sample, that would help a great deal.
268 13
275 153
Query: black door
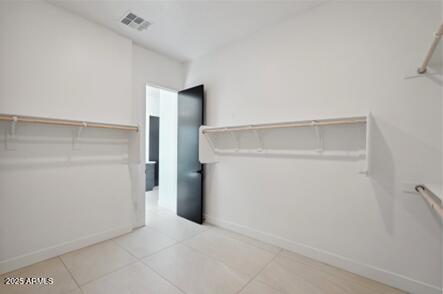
189 169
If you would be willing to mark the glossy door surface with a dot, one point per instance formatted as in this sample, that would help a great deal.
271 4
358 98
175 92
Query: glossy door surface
189 169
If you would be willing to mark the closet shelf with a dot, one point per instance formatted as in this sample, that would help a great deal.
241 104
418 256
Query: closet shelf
63 122
293 124
339 138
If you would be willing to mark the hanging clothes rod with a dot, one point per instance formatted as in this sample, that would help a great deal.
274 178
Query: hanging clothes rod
437 36
63 122
429 197
300 124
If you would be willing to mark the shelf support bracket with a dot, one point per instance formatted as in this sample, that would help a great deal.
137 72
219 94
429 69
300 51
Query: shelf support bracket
77 136
319 136
234 137
259 138
211 143
11 141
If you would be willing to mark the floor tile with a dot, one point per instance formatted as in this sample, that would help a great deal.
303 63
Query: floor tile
240 256
250 241
288 275
151 198
134 279
51 268
257 287
158 214
177 228
353 282
144 241
155 213
195 273
92 262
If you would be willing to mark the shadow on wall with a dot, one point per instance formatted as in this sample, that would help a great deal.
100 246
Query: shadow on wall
434 73
423 167
41 146
382 175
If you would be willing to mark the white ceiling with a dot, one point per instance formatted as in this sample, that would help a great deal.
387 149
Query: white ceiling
186 30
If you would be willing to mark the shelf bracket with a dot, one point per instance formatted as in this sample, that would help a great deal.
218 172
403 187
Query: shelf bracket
259 138
211 143
234 137
319 136
77 136
10 140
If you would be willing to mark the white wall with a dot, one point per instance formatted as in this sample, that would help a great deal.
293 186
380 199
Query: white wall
62 66
56 197
342 58
153 98
168 150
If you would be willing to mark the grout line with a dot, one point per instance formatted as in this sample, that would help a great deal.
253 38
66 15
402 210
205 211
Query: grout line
121 247
259 272
174 238
69 272
208 228
250 244
212 227
164 278
182 242
114 270
152 254
111 272
163 249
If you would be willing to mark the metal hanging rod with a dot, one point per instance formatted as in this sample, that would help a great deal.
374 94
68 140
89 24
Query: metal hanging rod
300 124
429 197
63 122
437 37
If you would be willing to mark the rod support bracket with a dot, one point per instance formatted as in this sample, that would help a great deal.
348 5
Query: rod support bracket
259 138
418 187
235 139
10 140
319 136
76 138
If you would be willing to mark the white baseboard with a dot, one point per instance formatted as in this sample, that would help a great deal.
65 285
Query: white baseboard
365 270
59 249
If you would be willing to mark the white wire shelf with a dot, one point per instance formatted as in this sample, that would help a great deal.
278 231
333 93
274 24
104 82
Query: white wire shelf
341 138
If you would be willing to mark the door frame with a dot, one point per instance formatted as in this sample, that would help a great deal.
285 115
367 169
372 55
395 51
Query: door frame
140 201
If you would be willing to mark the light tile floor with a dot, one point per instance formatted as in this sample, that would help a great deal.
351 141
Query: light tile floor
172 256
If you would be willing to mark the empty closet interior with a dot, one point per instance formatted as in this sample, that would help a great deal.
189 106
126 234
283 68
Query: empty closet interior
221 147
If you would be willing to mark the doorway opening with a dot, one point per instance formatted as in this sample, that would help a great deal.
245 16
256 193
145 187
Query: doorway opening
161 149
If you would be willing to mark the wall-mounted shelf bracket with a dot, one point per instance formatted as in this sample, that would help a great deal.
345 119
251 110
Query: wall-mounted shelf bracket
235 139
10 139
211 143
259 139
77 137
366 167
319 136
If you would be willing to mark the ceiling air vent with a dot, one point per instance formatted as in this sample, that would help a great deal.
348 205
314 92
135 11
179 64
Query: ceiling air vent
135 22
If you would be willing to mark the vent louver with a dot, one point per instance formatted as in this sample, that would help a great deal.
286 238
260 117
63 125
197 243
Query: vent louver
135 22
